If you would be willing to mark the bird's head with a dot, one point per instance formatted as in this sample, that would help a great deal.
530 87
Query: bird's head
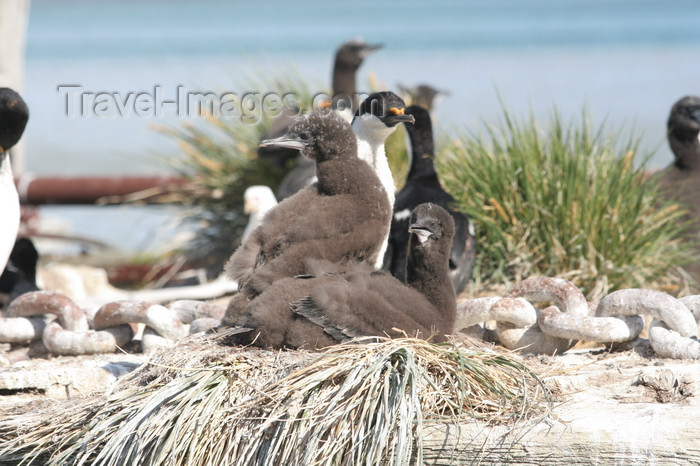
14 114
431 226
685 114
684 131
423 95
385 107
352 53
319 136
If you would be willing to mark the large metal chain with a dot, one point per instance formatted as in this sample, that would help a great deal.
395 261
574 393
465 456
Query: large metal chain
74 332
520 325
617 318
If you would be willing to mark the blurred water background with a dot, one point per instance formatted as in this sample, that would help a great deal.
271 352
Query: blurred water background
626 61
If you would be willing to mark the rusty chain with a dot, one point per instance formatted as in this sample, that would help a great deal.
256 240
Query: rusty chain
520 325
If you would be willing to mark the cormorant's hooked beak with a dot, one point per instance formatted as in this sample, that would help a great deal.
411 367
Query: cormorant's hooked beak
283 142
397 115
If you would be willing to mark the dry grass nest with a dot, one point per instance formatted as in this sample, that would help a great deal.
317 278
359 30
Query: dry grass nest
206 403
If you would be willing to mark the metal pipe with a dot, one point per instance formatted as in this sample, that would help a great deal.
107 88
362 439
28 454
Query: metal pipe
35 190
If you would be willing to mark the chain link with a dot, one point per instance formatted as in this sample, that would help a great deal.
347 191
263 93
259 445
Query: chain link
617 318
112 326
520 325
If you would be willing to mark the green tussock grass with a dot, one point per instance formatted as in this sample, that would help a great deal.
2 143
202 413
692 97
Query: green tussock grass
570 200
350 404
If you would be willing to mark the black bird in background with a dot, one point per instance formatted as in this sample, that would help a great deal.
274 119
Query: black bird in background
343 217
422 95
681 180
337 302
348 59
683 132
14 115
423 185
19 276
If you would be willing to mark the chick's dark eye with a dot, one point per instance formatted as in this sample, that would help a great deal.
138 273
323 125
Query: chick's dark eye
305 136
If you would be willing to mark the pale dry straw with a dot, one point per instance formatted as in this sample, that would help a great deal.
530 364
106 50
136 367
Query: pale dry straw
361 403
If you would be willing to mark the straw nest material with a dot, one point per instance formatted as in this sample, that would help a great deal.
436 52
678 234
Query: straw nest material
206 403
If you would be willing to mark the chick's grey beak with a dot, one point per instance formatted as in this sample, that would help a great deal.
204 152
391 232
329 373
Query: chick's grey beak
421 232
283 142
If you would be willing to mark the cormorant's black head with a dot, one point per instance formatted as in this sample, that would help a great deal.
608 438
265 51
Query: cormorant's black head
319 136
388 107
352 53
430 224
14 114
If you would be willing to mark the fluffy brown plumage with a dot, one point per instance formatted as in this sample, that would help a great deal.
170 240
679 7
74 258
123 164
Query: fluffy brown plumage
348 59
338 302
341 218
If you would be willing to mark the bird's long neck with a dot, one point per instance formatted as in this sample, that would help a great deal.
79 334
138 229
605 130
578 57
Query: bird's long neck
371 134
428 272
9 209
6 177
422 150
343 176
344 79
686 147
375 156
